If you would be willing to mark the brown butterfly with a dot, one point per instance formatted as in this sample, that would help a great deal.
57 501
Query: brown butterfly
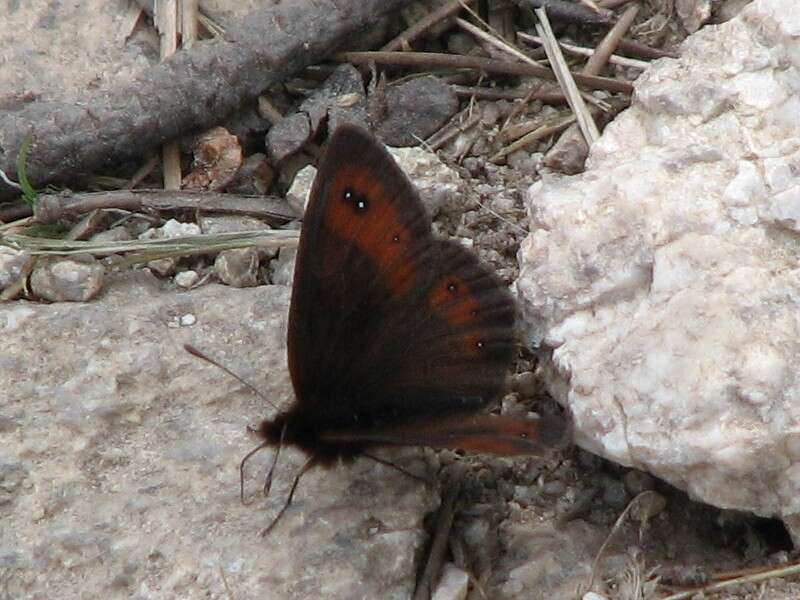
395 338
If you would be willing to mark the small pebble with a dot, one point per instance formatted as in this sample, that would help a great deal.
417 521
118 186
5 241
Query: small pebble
614 493
637 482
297 196
75 279
453 584
648 506
188 320
186 279
163 266
238 268
554 488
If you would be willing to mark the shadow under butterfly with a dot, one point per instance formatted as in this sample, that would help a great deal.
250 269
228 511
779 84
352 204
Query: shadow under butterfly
395 338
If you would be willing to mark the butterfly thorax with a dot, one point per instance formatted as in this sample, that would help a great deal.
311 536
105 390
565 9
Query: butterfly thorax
306 433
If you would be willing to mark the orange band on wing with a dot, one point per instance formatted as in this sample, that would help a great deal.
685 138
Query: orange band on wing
378 232
451 299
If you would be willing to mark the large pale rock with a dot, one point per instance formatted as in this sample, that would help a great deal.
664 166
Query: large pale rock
119 457
663 285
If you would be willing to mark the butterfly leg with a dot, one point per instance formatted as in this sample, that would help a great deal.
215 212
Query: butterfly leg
241 471
406 472
309 463
268 479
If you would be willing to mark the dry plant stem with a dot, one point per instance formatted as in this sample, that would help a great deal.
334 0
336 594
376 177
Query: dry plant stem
189 15
519 108
451 130
146 250
565 78
534 136
617 526
444 523
494 94
421 26
605 49
458 61
147 167
167 25
783 571
634 48
50 208
581 51
268 110
124 122
494 41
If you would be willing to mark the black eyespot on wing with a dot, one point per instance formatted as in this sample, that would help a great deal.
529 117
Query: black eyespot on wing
358 201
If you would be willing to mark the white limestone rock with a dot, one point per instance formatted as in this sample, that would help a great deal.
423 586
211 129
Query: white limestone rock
664 283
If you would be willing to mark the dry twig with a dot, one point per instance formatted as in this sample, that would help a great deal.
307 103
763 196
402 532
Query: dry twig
772 573
458 61
581 51
123 123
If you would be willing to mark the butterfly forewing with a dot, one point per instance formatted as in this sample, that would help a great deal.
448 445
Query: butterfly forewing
388 324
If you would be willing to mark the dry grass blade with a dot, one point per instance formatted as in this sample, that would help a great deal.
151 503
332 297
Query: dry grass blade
617 525
565 80
150 249
534 136
783 571
614 59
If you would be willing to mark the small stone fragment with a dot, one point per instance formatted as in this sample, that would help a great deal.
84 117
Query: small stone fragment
647 506
637 481
254 177
231 223
11 263
186 279
163 266
416 109
453 584
77 278
297 196
238 268
116 234
614 493
288 136
217 159
12 475
282 268
693 13
341 99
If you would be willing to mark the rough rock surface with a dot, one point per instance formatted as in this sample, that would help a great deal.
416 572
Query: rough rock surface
119 456
663 284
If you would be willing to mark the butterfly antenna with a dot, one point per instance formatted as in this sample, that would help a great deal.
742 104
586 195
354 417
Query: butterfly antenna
268 479
241 471
199 354
306 467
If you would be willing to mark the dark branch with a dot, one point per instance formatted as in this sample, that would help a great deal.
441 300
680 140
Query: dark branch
192 90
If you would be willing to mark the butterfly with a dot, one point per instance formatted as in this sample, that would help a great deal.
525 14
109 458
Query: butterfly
395 337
